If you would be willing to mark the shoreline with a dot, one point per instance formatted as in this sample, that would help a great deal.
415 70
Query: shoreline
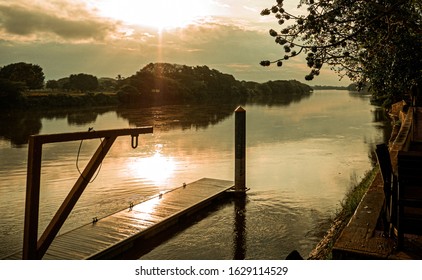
323 249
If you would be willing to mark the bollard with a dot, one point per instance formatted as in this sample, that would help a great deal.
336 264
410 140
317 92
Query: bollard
240 150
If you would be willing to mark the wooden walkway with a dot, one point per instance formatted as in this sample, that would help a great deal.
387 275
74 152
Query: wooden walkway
110 236
362 237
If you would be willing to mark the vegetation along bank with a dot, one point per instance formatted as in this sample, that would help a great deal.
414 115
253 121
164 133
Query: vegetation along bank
22 85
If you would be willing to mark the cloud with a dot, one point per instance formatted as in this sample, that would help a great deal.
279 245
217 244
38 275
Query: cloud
66 38
60 20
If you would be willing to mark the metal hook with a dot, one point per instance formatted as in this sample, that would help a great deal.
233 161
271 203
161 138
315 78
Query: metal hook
134 143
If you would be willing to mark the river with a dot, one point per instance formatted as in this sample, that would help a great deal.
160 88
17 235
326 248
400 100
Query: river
302 157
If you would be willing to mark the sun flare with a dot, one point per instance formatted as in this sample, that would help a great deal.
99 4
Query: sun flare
159 14
156 168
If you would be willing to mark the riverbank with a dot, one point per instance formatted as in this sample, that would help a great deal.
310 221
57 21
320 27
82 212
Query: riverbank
363 236
69 100
323 250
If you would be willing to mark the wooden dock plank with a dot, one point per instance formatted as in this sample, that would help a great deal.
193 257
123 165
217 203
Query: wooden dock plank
105 228
118 231
63 251
360 239
73 243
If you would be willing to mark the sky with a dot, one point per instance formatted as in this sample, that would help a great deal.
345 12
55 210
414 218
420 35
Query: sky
107 38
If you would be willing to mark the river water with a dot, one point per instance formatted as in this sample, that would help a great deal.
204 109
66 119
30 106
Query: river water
302 157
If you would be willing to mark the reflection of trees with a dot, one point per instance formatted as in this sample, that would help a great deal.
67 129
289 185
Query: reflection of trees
177 116
81 118
17 126
199 115
360 94
383 124
278 100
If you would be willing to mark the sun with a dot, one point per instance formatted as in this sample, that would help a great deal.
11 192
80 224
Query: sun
159 14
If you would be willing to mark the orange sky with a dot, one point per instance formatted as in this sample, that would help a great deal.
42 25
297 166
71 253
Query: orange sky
111 37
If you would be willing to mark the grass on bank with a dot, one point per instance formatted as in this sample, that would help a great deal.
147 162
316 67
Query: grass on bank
347 208
355 194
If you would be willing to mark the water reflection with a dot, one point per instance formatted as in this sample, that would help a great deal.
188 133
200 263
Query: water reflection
299 159
81 118
239 232
155 169
177 116
17 126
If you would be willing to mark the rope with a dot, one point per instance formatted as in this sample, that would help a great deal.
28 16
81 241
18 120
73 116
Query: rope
77 159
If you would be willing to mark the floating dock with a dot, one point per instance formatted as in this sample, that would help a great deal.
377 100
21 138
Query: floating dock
109 237
120 234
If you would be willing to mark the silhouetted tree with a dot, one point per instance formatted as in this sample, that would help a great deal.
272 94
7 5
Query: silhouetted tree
29 74
64 83
83 82
168 83
108 84
10 93
128 94
52 84
375 42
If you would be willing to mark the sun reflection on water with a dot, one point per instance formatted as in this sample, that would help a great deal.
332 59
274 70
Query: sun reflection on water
157 168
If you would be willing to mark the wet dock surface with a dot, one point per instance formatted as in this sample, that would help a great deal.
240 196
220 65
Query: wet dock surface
110 236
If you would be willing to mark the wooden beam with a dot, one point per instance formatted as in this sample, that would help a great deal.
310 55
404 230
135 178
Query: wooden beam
32 201
64 210
75 136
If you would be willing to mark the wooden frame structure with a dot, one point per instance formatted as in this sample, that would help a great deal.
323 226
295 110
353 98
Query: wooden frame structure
34 248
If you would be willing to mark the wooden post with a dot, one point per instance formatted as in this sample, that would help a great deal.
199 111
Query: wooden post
30 233
240 150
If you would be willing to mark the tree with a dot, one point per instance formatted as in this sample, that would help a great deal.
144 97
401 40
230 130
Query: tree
64 84
29 74
52 84
10 93
375 42
83 82
107 84
129 95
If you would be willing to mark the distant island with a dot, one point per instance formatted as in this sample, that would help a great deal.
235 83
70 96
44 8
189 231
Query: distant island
156 83
165 82
319 87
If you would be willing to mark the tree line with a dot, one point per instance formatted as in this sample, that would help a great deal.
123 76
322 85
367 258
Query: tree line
174 83
31 77
156 83
16 79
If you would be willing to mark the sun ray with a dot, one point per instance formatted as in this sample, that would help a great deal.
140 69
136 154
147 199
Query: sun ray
159 14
